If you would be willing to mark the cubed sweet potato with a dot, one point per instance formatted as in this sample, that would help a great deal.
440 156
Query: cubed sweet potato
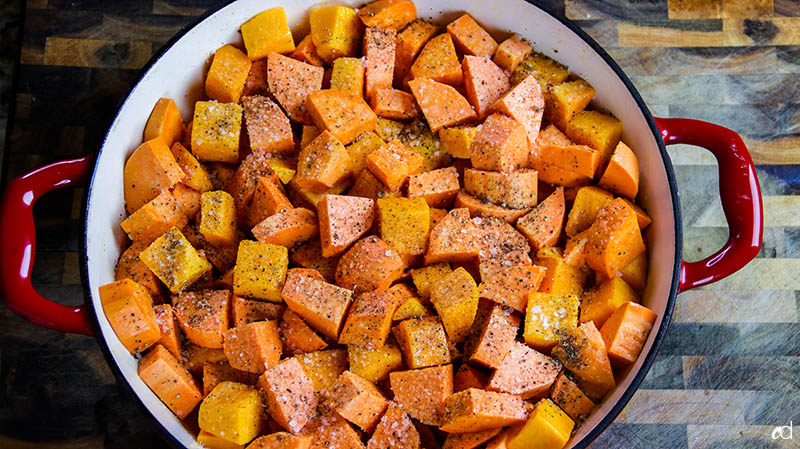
154 218
253 347
567 99
323 367
423 342
281 440
357 400
307 52
170 335
268 128
267 32
395 429
216 130
203 316
524 371
483 208
129 309
374 364
130 266
170 381
469 440
343 114
492 335
456 300
322 163
625 332
484 82
442 105
197 176
257 83
614 239
187 199
515 190
437 187
342 221
393 163
287 228
561 277
469 377
511 52
422 392
409 43
474 410
165 121
150 170
174 260
232 411
547 427
336 31
260 270
370 264
348 76
297 336
471 38
394 104
246 311
267 200
227 74
369 320
389 14
452 240
583 352
578 161
525 104
542 225
621 175
329 430
511 285
437 61
290 82
320 304
567 395
599 304
379 55
500 145
547 315
289 395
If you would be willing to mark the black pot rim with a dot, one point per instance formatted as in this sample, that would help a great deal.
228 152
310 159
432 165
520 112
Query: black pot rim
667 163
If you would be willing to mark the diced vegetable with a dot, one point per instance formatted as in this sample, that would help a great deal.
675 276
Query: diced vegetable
289 394
422 392
170 381
268 31
232 411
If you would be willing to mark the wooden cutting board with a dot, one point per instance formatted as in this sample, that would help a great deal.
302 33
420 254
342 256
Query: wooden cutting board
729 371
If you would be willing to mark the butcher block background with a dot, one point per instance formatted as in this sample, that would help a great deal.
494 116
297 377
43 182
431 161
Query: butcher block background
729 369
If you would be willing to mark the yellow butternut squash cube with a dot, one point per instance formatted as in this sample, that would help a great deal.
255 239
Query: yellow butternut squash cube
596 130
422 341
560 277
348 75
215 131
282 169
227 74
546 315
424 278
174 260
260 270
336 31
211 441
375 364
456 300
457 140
218 218
411 307
588 202
404 224
565 100
268 31
388 129
546 70
547 427
635 273
323 367
597 305
365 143
232 411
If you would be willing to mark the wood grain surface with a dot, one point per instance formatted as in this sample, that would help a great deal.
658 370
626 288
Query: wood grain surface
729 370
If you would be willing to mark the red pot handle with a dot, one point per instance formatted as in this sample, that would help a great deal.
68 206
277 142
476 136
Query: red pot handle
18 244
740 194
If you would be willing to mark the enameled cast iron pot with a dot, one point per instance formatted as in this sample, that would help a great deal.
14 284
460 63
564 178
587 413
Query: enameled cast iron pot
177 72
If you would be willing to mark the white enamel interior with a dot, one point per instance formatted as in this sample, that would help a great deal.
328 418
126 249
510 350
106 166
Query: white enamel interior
179 74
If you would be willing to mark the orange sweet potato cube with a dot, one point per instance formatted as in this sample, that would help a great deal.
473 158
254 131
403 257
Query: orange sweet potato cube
197 176
542 225
469 440
500 145
203 316
560 277
389 14
379 55
438 62
614 239
621 175
483 208
583 352
442 105
511 285
395 429
165 121
393 163
329 430
524 103
492 335
290 82
227 74
365 143
150 170
437 187
409 43
307 52
297 336
601 302
280 440
130 266
579 161
524 371
129 309
567 395
322 163
468 377
422 392
474 410
452 239
154 218
394 104
511 52
268 199
246 311
370 264
369 320
170 335
343 114
170 381
320 304
253 347
287 228
188 200
289 395
366 185
357 400
626 331
256 83
516 190
484 82
342 221
471 38
268 127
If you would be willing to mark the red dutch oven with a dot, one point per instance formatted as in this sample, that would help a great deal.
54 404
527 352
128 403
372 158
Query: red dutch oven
177 72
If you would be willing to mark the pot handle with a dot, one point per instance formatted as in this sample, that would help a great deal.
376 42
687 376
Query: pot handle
740 194
18 243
